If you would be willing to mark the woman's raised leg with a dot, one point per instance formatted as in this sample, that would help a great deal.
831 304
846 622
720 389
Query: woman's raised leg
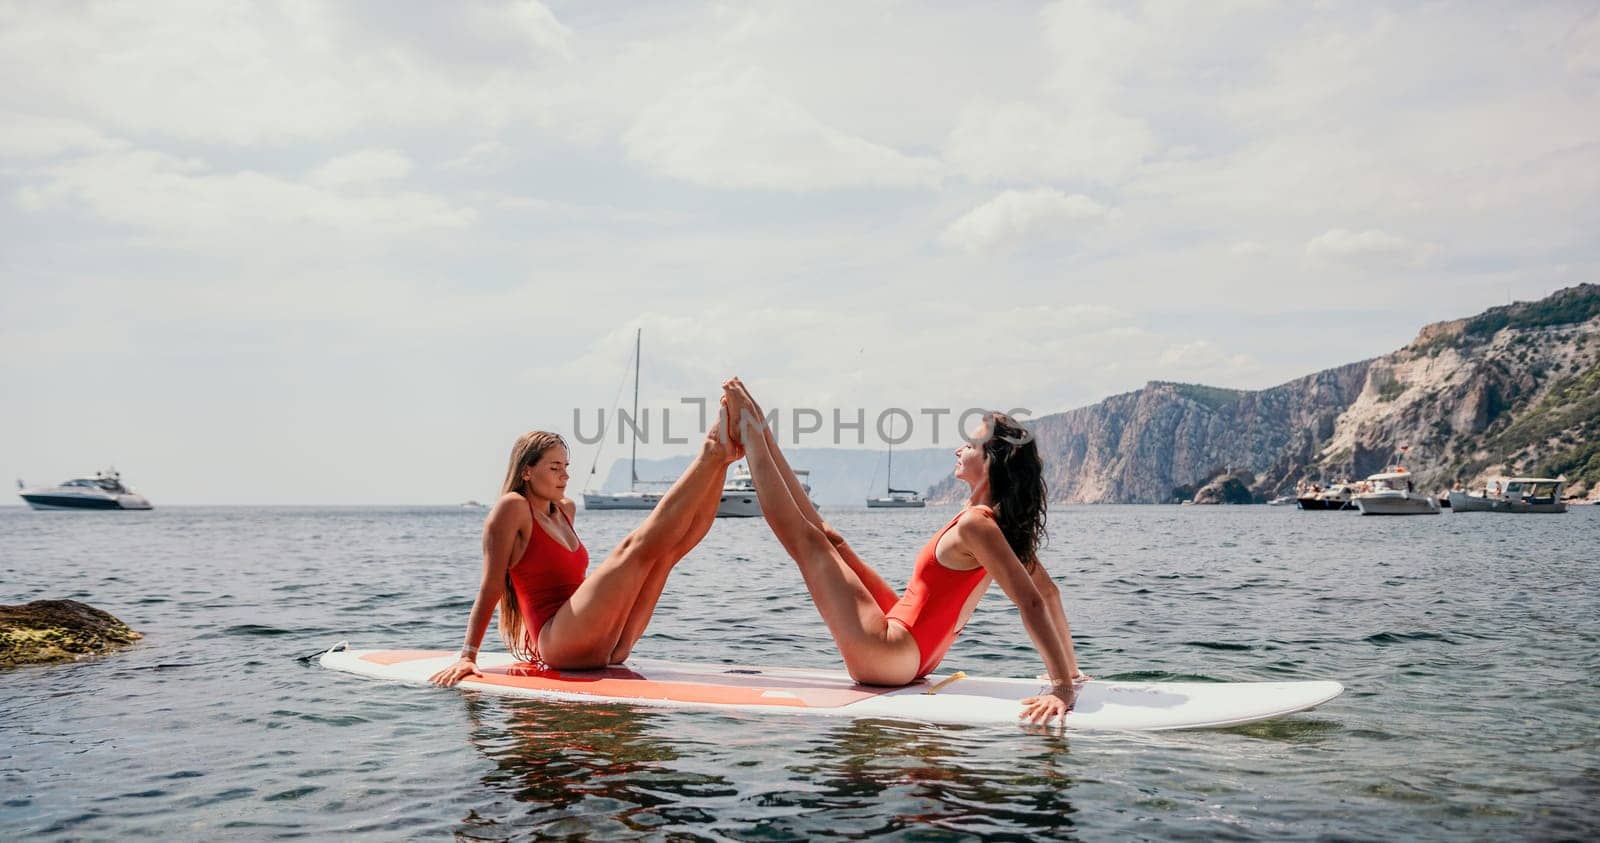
883 593
874 650
644 606
587 630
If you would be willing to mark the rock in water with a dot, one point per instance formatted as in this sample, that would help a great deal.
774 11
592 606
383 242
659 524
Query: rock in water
47 631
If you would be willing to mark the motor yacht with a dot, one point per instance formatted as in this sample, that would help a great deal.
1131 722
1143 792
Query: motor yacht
739 493
102 491
1339 496
1391 492
1514 494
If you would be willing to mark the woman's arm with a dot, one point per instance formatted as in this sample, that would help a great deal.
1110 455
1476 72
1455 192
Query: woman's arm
980 536
1058 613
499 541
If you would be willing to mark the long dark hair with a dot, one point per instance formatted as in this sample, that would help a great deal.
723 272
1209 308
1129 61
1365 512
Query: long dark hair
1016 482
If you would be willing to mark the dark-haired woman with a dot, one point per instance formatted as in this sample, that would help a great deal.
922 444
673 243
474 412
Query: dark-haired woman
552 610
888 639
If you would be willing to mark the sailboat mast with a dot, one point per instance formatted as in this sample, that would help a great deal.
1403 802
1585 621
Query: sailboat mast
889 484
633 460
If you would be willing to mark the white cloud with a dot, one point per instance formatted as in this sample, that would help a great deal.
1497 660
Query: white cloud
529 20
363 167
1369 247
35 136
1248 249
1583 47
1024 142
186 203
1017 216
734 131
484 156
247 74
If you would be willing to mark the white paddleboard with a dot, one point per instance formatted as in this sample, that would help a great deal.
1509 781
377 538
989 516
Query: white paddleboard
1121 706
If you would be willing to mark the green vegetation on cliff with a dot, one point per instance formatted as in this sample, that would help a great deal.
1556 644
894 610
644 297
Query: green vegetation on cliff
1213 397
1562 430
1565 307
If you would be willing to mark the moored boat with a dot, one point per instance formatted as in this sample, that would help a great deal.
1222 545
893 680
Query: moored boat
739 493
895 498
1392 492
1315 498
634 498
1514 495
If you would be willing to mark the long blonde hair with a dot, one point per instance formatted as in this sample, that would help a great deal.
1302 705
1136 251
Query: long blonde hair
528 450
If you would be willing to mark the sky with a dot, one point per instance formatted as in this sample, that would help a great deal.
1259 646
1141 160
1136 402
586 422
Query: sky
344 253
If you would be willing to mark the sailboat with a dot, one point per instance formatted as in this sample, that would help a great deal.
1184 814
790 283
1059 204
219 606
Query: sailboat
896 498
634 498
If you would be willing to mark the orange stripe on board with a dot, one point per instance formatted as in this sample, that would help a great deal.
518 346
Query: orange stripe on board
401 656
625 684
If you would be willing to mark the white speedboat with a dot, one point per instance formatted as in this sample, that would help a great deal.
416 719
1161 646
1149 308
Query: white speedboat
102 491
1391 492
739 493
1312 496
1514 494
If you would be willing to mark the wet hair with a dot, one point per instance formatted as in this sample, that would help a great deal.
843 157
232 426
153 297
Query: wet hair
1017 485
528 450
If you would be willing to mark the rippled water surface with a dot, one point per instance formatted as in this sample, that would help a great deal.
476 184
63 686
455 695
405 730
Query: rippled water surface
1468 644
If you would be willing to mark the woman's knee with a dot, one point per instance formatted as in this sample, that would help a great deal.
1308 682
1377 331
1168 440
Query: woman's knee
814 541
642 547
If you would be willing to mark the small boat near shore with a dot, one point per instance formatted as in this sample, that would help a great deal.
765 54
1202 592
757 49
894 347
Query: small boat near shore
1337 497
1515 495
1392 492
104 490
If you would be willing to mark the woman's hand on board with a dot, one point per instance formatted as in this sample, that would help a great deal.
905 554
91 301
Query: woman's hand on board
1050 705
448 677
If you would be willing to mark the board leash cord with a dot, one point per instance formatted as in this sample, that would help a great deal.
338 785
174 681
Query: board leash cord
960 674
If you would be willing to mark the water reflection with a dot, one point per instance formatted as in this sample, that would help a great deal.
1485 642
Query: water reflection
592 770
899 777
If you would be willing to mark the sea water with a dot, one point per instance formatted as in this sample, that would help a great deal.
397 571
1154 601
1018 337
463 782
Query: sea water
1468 644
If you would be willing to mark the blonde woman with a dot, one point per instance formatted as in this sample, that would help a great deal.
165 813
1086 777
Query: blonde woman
552 610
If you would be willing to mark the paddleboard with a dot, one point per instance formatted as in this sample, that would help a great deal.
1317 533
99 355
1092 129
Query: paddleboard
1119 706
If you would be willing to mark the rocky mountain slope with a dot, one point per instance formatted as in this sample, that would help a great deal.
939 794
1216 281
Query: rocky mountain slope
1515 389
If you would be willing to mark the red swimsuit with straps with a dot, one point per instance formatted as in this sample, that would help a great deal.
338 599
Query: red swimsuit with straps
546 576
931 607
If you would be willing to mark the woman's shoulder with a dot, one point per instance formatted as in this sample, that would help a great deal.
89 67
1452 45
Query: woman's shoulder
510 505
569 507
979 513
975 520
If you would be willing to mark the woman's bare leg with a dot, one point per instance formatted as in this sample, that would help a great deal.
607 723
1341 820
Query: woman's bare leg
882 593
587 630
874 650
649 593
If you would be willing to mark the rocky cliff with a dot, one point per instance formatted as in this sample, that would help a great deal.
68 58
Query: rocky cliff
1515 389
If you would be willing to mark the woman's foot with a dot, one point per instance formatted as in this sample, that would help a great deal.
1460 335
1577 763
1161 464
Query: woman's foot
742 409
723 438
